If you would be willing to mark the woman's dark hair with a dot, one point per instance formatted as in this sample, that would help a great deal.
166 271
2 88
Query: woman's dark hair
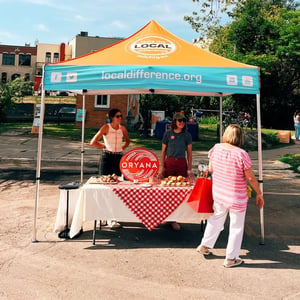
112 113
174 126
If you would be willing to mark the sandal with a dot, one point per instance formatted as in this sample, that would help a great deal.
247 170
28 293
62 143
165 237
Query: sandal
113 224
229 263
203 250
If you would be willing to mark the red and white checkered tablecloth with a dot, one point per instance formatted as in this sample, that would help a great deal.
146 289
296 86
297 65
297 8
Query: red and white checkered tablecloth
151 205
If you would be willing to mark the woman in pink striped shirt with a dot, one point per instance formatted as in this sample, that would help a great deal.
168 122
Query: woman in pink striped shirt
231 170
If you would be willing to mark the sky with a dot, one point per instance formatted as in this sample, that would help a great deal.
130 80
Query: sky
59 21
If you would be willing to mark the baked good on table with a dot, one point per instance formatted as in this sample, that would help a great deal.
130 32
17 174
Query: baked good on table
175 181
108 179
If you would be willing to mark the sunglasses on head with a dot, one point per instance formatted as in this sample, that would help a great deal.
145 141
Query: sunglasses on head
118 116
181 120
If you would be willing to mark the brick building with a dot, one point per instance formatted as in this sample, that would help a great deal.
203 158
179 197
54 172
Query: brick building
17 61
27 62
97 107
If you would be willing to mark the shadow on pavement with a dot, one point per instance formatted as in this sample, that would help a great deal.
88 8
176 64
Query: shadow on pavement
276 253
54 177
136 235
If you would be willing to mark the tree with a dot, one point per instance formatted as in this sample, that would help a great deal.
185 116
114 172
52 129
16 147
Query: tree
13 92
20 88
209 15
265 34
211 12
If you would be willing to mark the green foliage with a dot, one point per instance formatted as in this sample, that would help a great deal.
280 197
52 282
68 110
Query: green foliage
172 103
13 92
209 14
5 99
255 28
20 88
272 138
167 103
209 120
265 34
293 160
68 131
25 127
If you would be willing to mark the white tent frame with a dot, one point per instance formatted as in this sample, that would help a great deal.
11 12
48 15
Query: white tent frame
40 139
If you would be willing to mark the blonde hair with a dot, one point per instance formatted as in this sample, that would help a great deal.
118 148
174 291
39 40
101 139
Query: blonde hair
233 135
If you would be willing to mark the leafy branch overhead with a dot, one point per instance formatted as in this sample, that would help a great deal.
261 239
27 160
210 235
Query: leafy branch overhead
209 14
261 33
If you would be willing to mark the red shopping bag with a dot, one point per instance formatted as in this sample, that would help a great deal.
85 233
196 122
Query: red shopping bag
201 199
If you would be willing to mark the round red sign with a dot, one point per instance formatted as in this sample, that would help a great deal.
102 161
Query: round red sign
139 164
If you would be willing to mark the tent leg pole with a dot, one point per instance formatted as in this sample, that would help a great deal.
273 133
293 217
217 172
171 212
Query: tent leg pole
82 136
38 164
37 192
260 172
221 118
262 229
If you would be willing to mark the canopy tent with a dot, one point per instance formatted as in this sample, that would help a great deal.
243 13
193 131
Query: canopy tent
152 60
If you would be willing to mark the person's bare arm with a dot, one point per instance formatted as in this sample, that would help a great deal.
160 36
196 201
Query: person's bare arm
253 182
95 141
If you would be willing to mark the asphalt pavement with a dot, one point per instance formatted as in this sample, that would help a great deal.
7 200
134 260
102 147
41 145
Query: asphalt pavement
133 262
20 151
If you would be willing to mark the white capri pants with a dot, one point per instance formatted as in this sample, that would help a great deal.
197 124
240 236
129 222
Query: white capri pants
215 225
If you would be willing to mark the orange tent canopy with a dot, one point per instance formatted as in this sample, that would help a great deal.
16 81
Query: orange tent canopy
154 45
153 58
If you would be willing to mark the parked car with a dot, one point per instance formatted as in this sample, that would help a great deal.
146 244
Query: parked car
67 114
62 93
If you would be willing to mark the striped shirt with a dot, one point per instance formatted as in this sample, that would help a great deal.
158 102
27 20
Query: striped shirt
113 139
229 181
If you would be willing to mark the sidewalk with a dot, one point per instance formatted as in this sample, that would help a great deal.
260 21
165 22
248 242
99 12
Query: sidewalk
20 152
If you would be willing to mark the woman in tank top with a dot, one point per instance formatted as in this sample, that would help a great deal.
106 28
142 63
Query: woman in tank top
114 134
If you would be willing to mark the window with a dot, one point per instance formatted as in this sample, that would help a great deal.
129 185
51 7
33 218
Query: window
4 77
14 76
8 59
55 57
102 101
27 77
48 57
24 59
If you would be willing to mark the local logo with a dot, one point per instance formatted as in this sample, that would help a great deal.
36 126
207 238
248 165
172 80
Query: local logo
153 46
139 164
